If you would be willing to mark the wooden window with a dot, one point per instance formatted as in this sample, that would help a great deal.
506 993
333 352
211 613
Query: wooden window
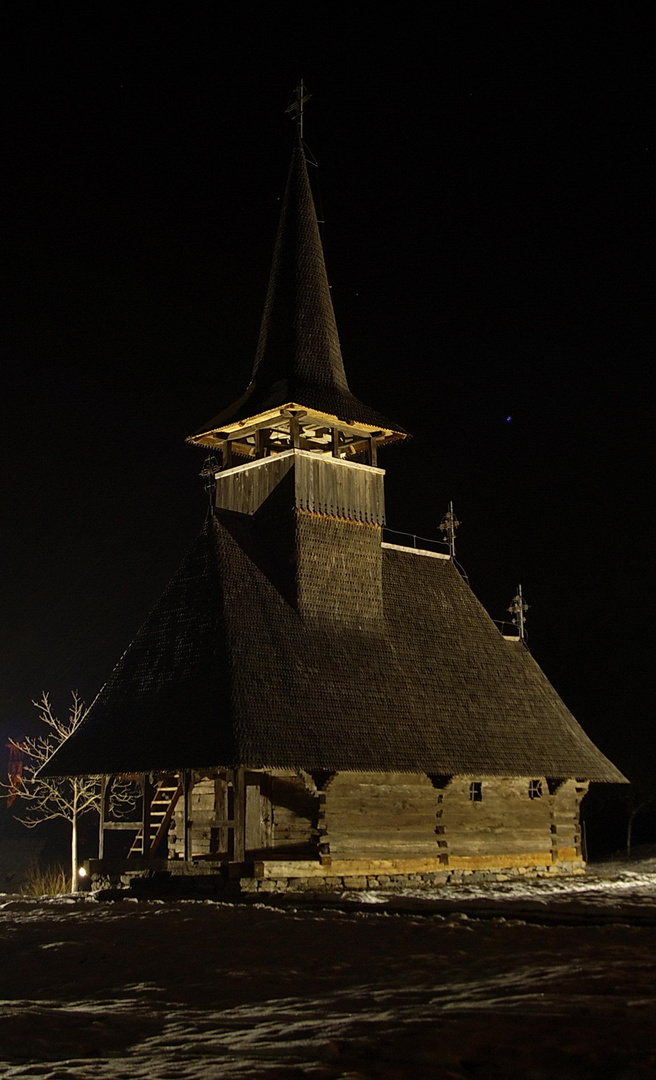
476 791
535 789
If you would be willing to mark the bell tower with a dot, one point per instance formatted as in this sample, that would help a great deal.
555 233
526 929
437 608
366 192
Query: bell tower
298 451
298 396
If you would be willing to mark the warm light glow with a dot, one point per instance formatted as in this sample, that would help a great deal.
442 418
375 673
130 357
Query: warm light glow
82 872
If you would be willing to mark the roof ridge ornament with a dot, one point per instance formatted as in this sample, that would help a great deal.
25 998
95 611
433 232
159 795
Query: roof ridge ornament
517 609
448 527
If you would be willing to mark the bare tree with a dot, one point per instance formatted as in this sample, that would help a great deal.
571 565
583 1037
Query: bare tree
67 797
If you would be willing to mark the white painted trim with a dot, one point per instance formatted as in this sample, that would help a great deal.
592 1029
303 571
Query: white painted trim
417 551
302 453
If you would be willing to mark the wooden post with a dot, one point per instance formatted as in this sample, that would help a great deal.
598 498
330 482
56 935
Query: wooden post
294 431
186 823
373 452
105 788
261 442
227 454
239 782
146 799
335 441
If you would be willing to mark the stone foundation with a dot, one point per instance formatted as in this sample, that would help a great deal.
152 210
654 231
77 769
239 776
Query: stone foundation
399 882
204 878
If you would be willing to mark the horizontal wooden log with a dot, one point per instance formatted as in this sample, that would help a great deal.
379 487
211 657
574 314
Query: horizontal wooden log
474 850
566 854
346 867
374 823
401 836
500 861
386 843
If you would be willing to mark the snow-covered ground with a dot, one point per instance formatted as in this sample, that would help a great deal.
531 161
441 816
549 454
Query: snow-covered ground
510 981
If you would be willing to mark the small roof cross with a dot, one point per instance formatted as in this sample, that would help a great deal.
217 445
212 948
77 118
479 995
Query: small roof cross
517 609
448 527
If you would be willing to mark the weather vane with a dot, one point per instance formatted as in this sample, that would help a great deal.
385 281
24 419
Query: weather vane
448 526
295 107
517 610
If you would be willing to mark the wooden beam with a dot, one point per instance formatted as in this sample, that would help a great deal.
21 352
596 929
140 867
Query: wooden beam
105 787
294 413
239 786
243 449
261 442
294 431
312 417
356 446
186 823
147 789
290 868
308 442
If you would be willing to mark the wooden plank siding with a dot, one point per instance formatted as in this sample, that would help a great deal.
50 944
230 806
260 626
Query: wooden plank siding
322 485
244 489
340 489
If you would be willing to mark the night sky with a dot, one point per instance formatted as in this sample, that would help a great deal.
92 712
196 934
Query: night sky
487 191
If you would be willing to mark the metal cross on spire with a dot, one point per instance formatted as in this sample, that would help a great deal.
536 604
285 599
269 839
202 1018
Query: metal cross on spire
517 610
295 107
448 526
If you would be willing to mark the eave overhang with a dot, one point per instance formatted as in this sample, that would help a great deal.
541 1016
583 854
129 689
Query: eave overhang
311 428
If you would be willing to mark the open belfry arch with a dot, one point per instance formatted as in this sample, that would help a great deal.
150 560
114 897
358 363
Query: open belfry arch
306 703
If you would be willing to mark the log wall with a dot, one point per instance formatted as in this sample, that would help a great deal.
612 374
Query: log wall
399 819
504 824
379 816
566 820
294 809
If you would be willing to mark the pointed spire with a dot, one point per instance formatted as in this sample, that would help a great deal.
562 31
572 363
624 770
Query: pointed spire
298 338
299 359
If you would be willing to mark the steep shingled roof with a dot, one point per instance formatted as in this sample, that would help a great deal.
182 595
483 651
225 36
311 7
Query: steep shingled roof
298 357
225 672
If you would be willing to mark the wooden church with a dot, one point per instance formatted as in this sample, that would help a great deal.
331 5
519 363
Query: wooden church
306 704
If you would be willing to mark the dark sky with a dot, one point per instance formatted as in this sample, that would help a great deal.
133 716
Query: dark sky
487 190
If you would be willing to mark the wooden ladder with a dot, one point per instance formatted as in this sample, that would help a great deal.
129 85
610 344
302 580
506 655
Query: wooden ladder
168 791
